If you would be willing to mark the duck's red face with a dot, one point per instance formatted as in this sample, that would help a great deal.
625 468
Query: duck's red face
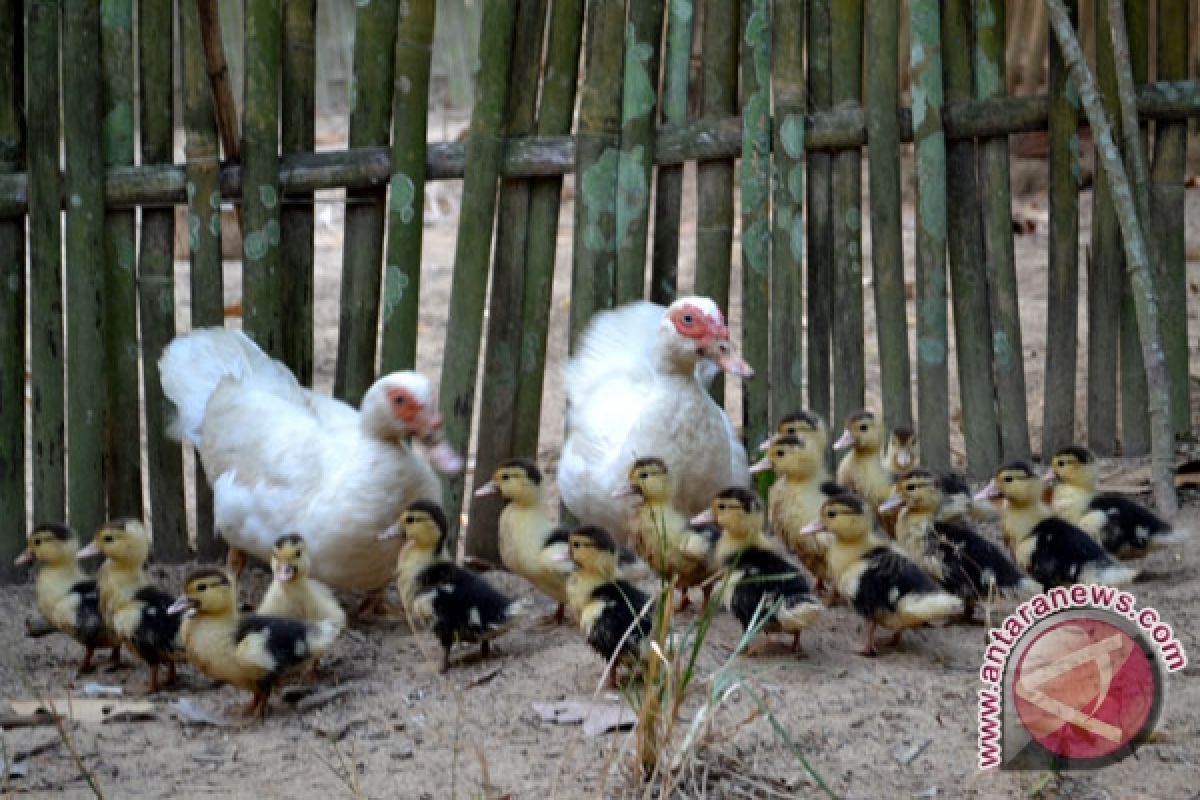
711 335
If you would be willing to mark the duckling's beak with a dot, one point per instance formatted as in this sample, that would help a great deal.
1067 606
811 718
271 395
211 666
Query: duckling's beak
705 517
392 532
763 465
488 488
91 551
184 605
904 458
765 443
891 504
285 571
989 492
846 440
812 528
1049 476
628 490
26 557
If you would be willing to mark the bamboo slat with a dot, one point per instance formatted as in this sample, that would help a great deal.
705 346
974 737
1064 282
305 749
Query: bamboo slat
756 216
820 213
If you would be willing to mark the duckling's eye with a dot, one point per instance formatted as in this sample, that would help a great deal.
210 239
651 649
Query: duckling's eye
108 539
863 427
201 587
505 477
1008 478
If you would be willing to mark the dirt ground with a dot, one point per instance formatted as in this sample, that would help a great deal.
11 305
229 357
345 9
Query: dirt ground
902 725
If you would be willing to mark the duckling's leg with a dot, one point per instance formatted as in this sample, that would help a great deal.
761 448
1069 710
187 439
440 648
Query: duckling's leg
257 705
86 665
685 601
894 639
556 618
375 604
868 648
114 660
796 643
172 673
445 660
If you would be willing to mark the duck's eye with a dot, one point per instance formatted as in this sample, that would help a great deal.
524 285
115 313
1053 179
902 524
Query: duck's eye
688 319
398 400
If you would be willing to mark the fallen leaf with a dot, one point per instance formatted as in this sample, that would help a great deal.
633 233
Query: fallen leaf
597 718
86 709
92 689
190 711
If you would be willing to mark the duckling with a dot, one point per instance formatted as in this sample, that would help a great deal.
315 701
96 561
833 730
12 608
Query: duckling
67 599
862 469
662 535
962 561
616 617
458 604
884 585
254 653
1125 528
759 579
131 607
530 546
294 594
903 454
1053 551
807 425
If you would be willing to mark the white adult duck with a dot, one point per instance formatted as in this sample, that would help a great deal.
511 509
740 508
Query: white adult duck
635 388
283 459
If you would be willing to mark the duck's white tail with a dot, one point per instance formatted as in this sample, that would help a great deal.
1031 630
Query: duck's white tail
1108 574
931 607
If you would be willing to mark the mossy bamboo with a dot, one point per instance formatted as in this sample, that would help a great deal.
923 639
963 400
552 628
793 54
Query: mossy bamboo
756 212
820 212
156 283
362 250
224 105
406 194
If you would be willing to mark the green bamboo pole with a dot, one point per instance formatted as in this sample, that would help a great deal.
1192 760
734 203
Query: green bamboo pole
820 213
932 383
1062 304
1104 278
12 299
362 252
296 216
668 190
635 167
849 384
156 283
202 151
887 248
559 80
1169 202
494 441
756 212
45 260
485 147
597 156
406 196
787 250
1006 345
969 280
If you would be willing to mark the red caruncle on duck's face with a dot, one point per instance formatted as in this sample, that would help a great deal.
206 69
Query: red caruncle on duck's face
693 323
403 404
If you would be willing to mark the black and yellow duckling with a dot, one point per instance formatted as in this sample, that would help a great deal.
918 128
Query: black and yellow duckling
761 583
964 562
807 425
662 535
862 470
131 607
1053 551
459 605
530 545
293 593
67 599
255 653
882 584
1125 528
903 455
615 616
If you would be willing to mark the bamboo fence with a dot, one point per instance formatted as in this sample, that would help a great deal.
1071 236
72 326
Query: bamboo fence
786 96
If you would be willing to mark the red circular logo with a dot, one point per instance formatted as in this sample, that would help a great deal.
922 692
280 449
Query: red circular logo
1085 688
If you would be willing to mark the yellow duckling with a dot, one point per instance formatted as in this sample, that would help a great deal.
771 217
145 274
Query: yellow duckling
294 594
68 599
255 653
530 546
1053 551
762 586
884 586
133 609
459 605
808 426
862 469
903 454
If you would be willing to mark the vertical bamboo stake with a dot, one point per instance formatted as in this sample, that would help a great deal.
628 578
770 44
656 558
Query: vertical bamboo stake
597 157
45 261
1169 203
929 140
1145 296
504 332
820 213
756 201
124 461
1104 279
406 195
485 148
559 80
12 298
1062 306
296 217
787 249
1006 346
218 75
362 251
668 191
156 283
887 248
202 151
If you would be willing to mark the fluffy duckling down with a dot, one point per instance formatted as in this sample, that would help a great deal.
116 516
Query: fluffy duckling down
882 584
808 426
255 653
293 593
762 586
903 454
862 470
134 610
1053 551
67 599
1125 528
459 605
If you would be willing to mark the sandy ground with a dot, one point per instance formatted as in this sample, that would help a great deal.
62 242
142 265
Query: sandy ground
903 725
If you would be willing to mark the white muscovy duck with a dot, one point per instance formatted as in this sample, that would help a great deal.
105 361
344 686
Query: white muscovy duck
636 388
283 459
